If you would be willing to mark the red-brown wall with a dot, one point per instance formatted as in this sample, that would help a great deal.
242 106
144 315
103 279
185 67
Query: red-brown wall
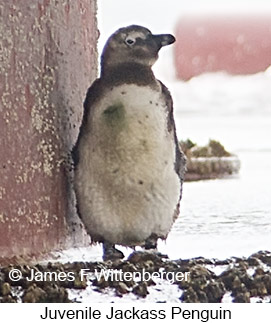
47 61
237 44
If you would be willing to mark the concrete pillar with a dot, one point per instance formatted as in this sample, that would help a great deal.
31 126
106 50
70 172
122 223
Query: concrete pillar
48 60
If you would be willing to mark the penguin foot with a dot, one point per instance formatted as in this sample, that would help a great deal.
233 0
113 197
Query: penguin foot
151 243
110 252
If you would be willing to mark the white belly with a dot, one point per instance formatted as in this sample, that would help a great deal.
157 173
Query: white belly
125 181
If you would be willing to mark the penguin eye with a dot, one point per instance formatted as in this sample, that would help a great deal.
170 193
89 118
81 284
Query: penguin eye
130 41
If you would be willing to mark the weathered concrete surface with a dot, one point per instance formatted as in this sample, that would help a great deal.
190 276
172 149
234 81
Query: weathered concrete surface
237 44
47 61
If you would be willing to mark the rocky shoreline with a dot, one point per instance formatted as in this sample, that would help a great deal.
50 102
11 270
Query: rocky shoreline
240 280
209 162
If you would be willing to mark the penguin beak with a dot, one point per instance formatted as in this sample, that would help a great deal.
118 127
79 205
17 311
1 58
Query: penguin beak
164 40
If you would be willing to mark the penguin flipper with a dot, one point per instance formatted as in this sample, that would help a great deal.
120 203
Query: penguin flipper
93 93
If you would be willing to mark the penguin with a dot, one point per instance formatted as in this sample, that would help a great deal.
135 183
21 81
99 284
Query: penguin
128 166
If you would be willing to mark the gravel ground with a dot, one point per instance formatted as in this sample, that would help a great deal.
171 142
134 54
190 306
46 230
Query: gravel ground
240 280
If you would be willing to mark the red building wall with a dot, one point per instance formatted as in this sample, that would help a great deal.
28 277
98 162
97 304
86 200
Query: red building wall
47 61
237 44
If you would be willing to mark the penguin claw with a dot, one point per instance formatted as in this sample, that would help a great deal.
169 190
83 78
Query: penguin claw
151 243
110 252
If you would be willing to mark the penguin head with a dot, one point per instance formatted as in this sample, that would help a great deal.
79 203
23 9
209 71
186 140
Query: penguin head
133 44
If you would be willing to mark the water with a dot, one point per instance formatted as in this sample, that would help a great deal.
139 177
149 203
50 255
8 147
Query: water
225 217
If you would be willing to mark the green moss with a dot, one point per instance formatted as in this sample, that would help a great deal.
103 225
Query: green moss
114 115
201 151
213 149
217 149
187 145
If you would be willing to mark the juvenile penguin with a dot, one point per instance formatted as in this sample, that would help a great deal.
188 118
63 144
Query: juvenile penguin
128 165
